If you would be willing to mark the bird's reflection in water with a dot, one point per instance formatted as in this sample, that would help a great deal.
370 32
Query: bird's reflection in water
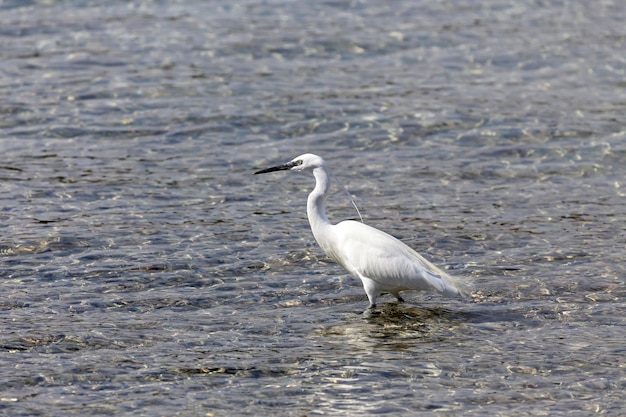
394 326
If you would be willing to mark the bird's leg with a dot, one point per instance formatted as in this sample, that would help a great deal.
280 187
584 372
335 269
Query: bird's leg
398 297
370 289
371 309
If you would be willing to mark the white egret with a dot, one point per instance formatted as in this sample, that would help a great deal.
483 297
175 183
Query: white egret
382 262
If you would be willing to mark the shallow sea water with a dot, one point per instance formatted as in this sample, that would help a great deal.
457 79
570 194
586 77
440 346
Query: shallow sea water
146 271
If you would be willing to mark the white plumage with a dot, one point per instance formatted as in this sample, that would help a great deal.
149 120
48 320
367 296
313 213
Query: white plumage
380 261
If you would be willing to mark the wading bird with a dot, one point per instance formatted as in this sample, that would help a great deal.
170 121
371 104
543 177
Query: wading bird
379 260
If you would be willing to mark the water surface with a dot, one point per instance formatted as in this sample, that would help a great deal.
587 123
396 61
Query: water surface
145 271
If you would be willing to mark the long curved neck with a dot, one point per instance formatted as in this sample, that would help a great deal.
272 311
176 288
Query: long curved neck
316 203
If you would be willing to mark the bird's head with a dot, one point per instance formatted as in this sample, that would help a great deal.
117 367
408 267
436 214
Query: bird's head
299 163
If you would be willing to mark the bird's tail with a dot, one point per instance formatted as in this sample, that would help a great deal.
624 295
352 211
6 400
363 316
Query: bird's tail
451 286
457 285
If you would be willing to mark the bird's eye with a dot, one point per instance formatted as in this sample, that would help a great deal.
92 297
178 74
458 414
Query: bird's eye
298 162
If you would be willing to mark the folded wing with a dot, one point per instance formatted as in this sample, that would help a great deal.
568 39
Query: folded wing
383 258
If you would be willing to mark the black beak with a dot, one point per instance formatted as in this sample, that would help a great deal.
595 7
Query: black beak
283 167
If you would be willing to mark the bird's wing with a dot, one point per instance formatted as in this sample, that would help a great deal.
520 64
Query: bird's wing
364 250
